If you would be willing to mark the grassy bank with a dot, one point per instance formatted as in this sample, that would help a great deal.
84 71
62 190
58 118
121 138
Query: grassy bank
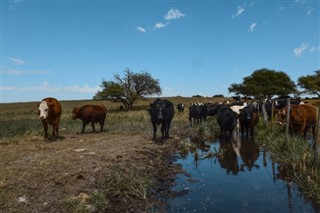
295 159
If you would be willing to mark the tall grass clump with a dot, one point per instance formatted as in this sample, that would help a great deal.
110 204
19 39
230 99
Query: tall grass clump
295 155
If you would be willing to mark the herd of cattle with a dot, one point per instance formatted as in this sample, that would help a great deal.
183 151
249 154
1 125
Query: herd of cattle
230 116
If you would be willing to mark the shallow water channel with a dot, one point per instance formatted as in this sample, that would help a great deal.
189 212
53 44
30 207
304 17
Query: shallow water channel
240 178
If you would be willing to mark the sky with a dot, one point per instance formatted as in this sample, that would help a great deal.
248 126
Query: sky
66 48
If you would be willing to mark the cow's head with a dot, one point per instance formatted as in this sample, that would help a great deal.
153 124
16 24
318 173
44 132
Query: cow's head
44 109
158 109
281 116
75 113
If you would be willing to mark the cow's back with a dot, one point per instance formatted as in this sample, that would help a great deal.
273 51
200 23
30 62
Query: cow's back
95 112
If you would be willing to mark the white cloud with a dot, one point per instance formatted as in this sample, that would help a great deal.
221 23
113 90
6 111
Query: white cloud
314 49
17 61
299 50
45 87
310 11
252 27
24 72
173 14
141 29
239 12
160 25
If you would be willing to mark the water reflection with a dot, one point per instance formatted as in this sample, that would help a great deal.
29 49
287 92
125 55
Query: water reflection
233 175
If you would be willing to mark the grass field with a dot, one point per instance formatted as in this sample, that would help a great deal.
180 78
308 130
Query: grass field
127 140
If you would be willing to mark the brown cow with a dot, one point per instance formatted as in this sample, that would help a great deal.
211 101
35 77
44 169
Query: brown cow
248 119
302 117
49 111
90 113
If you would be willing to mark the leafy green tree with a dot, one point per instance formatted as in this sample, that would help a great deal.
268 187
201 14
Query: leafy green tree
264 82
311 83
129 88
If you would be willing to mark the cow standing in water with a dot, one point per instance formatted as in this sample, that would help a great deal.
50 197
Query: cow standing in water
161 112
49 111
248 119
90 114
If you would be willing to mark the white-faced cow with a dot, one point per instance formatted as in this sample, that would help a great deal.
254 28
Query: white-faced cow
161 112
49 111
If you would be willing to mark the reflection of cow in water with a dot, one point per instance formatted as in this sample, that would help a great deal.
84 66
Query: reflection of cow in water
228 158
249 152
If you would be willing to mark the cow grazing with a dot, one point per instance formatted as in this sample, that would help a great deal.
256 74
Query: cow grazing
180 108
227 120
161 112
197 112
49 111
302 117
90 114
248 119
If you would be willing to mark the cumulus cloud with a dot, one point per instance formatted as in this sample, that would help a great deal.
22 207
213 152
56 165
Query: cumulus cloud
252 27
300 50
141 29
173 14
17 61
160 25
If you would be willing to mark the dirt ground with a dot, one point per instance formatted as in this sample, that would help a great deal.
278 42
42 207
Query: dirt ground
39 176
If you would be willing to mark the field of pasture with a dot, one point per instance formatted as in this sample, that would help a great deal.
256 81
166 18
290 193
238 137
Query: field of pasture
118 170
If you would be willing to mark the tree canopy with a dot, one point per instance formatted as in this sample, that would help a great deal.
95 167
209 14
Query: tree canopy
129 88
310 83
264 82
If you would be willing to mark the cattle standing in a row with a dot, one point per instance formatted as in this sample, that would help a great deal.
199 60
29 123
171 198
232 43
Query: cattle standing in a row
90 114
49 111
248 119
302 117
197 112
161 112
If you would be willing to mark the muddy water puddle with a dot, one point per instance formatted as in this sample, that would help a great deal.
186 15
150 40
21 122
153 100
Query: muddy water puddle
224 176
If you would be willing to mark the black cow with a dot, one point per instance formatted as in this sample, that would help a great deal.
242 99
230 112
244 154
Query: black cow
198 112
180 108
161 112
227 120
212 109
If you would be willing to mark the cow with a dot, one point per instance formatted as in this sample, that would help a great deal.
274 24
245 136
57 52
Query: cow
248 119
212 108
49 111
227 120
302 117
197 112
90 114
180 108
161 112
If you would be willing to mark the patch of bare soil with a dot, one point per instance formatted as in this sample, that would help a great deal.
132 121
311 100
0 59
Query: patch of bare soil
38 176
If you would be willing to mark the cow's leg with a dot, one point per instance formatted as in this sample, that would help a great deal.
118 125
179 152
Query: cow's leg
55 129
167 129
163 127
101 125
45 127
83 126
92 124
190 119
154 125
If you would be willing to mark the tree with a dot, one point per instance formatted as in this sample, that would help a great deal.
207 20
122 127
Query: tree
129 88
264 82
311 83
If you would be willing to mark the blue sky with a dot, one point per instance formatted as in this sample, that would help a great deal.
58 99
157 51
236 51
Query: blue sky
64 49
